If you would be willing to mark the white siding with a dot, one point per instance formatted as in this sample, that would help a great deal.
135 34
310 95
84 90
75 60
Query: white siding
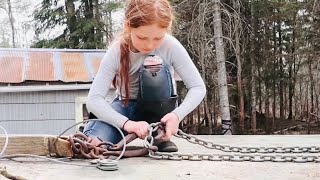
39 112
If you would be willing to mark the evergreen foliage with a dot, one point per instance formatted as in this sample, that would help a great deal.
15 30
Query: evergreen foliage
86 23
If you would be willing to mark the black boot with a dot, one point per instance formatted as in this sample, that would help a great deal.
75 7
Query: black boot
167 146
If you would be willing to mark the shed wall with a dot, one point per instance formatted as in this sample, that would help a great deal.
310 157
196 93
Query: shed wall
49 112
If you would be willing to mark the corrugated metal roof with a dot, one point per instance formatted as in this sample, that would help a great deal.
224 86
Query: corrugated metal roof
40 67
11 69
21 65
73 67
48 65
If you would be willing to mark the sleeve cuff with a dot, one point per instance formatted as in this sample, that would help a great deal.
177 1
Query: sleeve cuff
180 116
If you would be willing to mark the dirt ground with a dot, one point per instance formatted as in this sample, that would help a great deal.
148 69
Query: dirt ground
264 127
284 126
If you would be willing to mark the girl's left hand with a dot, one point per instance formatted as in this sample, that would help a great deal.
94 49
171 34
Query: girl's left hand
171 122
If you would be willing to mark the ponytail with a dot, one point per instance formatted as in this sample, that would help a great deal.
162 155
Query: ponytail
124 72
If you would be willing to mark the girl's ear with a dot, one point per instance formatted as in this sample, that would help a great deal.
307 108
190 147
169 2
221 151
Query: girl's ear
126 25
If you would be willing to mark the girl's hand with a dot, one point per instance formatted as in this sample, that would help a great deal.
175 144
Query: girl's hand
138 127
171 122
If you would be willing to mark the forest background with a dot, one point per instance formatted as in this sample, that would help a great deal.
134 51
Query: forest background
259 59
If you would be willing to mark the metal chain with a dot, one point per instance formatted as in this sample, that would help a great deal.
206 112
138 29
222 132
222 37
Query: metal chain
225 148
245 151
82 147
149 140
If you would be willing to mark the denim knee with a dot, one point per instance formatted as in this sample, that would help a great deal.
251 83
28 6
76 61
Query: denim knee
107 132
103 131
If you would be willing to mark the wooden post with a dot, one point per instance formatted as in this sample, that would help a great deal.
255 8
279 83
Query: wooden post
41 145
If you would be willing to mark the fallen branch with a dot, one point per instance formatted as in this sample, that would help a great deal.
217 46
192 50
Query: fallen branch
5 173
287 129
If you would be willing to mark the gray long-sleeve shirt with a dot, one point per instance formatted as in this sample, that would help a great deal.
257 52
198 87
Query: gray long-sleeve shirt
174 56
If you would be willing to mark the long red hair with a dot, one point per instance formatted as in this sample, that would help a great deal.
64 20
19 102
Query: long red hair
139 13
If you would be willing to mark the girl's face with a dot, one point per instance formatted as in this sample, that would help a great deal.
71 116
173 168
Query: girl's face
145 39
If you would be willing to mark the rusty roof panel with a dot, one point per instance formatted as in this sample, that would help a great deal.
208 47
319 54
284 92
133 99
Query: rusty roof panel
73 67
11 68
93 61
47 65
96 63
40 67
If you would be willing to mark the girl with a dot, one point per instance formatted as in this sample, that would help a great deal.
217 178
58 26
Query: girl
145 32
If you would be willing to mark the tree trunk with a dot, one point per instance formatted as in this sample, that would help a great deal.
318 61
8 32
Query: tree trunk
266 58
237 26
97 18
301 100
110 25
202 57
88 38
291 93
267 109
307 111
280 65
292 70
222 74
215 116
311 92
253 74
315 47
259 88
199 122
274 77
11 19
71 23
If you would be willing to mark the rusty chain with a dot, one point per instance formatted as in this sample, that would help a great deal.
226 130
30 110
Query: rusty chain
246 153
83 148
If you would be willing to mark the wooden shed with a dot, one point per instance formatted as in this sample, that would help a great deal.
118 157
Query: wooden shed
43 91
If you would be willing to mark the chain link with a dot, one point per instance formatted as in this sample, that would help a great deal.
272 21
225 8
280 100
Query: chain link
246 153
82 147
225 148
148 140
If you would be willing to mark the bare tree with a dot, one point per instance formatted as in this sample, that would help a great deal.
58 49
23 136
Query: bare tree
18 27
11 22
253 74
199 39
237 34
221 67
7 7
108 7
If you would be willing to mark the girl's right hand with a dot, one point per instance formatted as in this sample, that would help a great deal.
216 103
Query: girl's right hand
138 127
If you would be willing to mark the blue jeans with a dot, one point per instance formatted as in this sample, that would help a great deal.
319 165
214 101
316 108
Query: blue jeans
108 133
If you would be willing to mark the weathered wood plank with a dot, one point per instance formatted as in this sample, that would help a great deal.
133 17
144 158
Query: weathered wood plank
41 145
